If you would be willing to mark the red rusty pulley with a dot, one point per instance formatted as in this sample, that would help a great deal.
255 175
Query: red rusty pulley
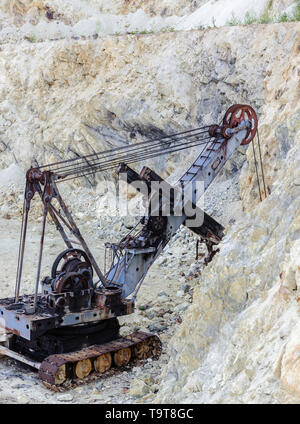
238 113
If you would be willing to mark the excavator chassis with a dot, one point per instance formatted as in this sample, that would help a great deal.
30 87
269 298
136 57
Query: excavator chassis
60 371
68 344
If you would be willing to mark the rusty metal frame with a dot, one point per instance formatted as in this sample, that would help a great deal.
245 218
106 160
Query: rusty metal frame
50 191
30 326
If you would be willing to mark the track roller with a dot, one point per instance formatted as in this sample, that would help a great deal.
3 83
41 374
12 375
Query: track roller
122 357
83 368
103 363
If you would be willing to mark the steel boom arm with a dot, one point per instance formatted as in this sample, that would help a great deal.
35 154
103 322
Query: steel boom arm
139 254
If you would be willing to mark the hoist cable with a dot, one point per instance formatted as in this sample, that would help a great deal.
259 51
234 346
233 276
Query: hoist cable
134 156
261 164
89 171
121 148
109 155
257 176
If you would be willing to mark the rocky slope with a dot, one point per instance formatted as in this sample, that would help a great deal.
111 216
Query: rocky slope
102 88
238 341
241 338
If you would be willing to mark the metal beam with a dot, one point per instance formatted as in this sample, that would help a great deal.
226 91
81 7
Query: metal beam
7 352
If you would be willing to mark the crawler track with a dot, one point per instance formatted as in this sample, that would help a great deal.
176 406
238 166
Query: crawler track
96 360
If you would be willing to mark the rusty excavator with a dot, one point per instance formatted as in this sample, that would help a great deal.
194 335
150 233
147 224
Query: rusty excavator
68 328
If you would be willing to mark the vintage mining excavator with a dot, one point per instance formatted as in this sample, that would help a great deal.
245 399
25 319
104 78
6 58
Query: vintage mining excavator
68 327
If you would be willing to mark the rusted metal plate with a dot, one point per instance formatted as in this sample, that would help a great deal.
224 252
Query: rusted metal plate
31 326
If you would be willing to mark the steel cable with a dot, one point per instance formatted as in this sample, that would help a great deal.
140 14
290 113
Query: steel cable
128 147
261 164
85 171
136 156
136 153
256 169
117 155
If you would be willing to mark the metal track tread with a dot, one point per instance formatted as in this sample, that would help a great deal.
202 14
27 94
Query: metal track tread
50 368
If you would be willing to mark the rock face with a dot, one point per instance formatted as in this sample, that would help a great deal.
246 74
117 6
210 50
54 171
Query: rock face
238 341
241 341
101 87
74 10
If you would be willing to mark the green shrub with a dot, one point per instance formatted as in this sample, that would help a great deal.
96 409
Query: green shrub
265 18
293 17
250 18
296 14
283 17
233 21
98 27
31 38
